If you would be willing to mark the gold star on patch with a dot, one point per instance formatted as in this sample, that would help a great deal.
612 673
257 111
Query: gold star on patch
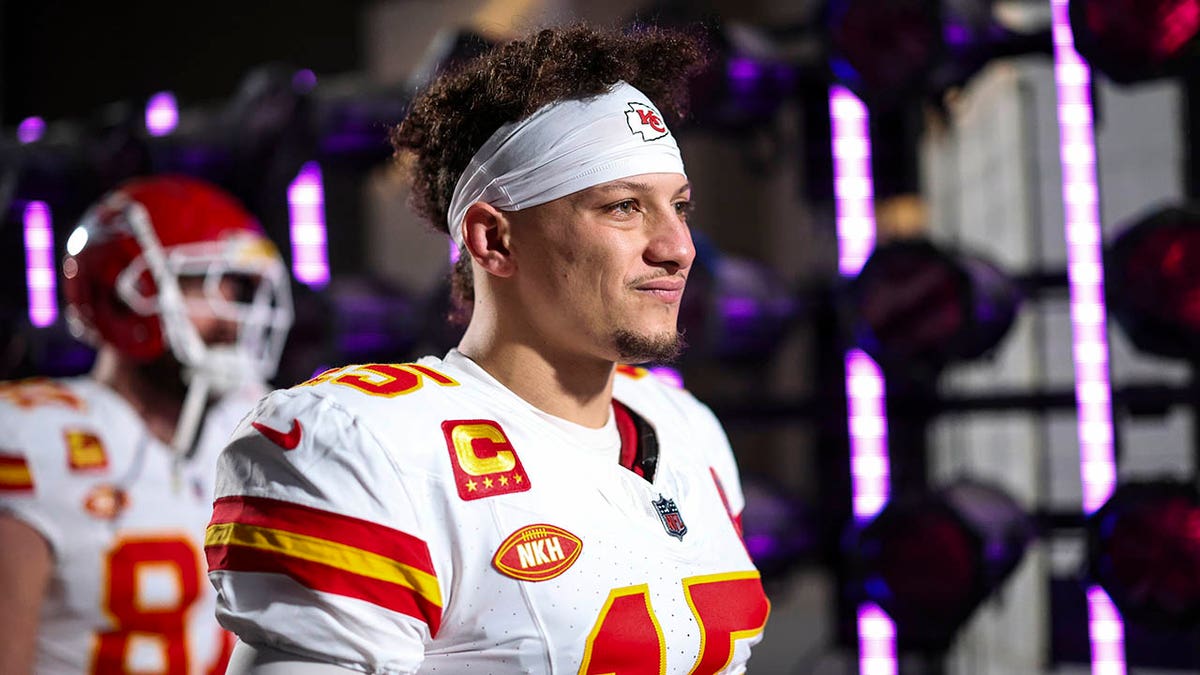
471 485
518 478
487 482
504 480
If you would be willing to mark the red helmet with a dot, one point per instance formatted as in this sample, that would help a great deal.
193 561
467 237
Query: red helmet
126 257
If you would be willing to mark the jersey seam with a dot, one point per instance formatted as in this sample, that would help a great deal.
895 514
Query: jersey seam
530 606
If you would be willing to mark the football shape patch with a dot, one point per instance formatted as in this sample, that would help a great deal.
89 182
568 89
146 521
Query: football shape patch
537 553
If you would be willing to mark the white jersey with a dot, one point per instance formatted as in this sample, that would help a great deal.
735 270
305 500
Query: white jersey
423 518
128 591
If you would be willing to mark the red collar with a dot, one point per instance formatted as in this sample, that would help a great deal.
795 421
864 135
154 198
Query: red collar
639 443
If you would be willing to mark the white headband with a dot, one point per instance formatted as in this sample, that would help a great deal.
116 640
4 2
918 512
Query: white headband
565 147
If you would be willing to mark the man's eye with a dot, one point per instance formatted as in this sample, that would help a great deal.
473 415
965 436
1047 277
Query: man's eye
624 208
683 208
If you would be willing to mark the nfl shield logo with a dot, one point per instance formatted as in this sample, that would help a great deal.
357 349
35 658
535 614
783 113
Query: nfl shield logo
668 513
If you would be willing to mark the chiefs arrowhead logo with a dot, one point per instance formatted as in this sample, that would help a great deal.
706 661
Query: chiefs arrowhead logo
537 553
287 441
645 121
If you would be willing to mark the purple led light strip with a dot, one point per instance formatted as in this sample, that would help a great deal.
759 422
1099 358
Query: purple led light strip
39 265
876 641
854 197
31 129
162 114
1107 634
306 210
853 186
1085 272
869 473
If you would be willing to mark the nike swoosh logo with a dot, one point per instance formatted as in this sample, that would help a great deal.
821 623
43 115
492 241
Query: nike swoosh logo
287 441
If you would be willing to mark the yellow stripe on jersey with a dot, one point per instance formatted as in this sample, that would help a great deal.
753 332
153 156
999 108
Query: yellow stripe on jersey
15 476
325 552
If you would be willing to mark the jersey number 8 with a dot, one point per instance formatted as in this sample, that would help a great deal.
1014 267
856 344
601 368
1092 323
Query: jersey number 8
146 628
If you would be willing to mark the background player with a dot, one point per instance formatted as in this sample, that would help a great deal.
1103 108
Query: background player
106 480
526 504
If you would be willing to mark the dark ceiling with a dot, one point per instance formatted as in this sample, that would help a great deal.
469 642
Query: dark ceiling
68 59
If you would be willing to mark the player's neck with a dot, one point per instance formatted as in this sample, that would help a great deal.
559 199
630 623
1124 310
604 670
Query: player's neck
157 400
569 386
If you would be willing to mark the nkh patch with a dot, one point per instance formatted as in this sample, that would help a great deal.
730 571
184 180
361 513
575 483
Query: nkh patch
537 553
645 121
106 501
671 519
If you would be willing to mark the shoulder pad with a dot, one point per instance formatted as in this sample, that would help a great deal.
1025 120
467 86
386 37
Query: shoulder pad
384 380
39 392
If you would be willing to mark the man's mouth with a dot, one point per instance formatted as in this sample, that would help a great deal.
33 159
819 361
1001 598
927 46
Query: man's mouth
667 289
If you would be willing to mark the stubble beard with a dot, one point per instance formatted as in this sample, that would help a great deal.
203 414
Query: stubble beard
636 348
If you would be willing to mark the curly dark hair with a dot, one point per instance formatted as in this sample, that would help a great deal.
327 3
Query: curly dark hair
449 121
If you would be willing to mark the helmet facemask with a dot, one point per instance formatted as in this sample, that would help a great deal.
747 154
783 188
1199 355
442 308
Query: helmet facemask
241 281
173 265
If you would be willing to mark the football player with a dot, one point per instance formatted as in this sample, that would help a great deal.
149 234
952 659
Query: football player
106 480
532 502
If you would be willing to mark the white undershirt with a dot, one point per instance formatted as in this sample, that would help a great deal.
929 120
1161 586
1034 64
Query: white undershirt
603 442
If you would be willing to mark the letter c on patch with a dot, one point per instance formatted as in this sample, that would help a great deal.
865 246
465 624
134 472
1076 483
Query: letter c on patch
464 436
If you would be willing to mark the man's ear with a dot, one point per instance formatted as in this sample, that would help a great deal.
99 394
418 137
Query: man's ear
486 233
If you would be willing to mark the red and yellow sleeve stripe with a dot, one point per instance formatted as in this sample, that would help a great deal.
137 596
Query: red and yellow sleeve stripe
326 552
14 474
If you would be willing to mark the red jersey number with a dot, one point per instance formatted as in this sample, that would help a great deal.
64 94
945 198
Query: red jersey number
148 628
628 640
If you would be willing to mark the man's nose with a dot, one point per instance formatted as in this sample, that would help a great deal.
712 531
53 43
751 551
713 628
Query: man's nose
671 243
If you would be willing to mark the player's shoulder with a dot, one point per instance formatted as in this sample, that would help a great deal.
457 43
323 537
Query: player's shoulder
387 398
39 397
673 411
358 410
655 392
388 389
36 410
59 432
